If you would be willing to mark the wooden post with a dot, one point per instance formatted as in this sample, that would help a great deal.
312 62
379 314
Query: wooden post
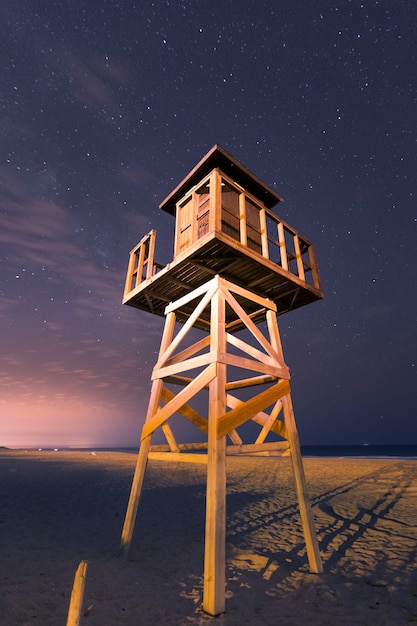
264 234
313 552
151 254
77 595
314 268
142 461
242 220
135 493
282 246
215 540
129 276
299 258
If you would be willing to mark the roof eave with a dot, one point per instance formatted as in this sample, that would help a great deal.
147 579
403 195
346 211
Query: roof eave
219 158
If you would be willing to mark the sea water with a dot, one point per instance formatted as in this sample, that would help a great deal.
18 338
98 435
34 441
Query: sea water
330 451
362 451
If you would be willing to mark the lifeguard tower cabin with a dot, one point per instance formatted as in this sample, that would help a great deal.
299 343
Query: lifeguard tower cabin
236 266
224 224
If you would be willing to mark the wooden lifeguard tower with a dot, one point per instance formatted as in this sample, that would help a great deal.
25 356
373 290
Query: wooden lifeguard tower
236 266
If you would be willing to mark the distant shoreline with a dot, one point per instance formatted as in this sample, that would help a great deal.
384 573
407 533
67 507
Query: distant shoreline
363 451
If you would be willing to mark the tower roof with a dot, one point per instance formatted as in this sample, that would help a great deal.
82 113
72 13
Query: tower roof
217 157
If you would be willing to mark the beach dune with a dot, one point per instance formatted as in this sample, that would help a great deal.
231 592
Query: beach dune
59 508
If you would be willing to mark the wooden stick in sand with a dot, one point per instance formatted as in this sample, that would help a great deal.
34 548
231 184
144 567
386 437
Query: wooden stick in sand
77 595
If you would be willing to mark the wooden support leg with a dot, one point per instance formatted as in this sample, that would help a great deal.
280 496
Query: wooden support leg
139 474
215 540
214 600
142 461
134 498
313 552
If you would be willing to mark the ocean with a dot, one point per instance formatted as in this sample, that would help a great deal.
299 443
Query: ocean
335 451
362 451
329 451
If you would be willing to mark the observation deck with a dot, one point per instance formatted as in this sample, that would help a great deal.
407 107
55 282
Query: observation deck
225 226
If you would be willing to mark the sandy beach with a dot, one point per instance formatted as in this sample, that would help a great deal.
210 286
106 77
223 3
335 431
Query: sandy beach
58 508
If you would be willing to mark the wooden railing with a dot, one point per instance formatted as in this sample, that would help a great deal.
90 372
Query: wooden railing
141 262
280 244
267 235
283 245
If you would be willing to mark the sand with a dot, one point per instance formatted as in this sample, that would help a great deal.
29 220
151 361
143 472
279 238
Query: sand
58 508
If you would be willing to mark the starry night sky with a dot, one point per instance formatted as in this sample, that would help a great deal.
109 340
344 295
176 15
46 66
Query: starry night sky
106 106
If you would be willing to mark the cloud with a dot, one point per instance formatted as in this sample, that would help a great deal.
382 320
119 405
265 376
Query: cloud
28 223
94 81
135 175
40 232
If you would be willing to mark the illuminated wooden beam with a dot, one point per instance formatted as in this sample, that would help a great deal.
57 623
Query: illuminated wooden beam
178 401
250 382
190 351
266 429
214 601
169 435
191 364
178 457
313 552
164 447
271 358
247 410
261 418
188 324
251 448
188 412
